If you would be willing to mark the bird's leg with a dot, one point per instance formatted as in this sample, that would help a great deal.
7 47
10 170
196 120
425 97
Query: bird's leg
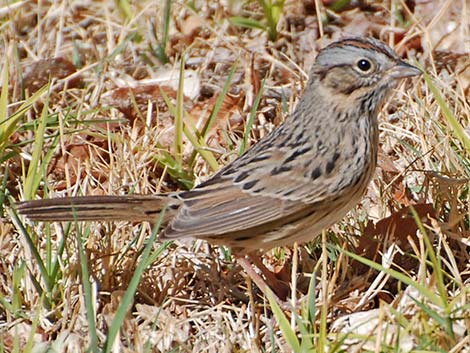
260 282
279 288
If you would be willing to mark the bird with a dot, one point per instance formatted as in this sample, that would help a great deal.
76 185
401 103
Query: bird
299 179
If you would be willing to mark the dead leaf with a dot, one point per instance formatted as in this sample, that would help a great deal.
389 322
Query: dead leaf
395 228
70 162
394 179
41 72
191 27
133 102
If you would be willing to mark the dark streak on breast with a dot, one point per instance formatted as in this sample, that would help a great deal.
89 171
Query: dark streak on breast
242 176
331 164
280 169
259 158
287 193
297 141
249 184
297 153
259 189
315 173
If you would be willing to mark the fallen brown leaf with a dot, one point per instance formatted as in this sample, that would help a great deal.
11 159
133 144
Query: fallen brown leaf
39 73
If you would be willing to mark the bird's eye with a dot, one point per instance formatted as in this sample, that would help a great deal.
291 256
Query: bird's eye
364 65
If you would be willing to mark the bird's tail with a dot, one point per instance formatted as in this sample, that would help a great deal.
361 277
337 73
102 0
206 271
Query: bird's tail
135 208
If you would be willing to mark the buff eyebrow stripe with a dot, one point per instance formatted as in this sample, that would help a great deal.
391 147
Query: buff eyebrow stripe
362 45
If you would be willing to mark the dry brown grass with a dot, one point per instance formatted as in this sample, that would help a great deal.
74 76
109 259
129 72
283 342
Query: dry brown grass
194 298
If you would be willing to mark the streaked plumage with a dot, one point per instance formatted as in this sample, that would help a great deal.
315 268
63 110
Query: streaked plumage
303 177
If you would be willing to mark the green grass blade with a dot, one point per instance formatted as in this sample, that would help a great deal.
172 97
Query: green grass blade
33 176
88 294
218 103
321 343
4 126
161 49
179 116
435 260
55 270
449 116
157 253
8 125
3 191
198 146
29 240
209 123
121 47
339 5
444 322
284 325
272 12
128 297
247 23
207 155
306 335
251 119
125 8
425 291
31 342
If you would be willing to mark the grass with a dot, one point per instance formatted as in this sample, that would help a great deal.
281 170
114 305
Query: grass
101 287
272 12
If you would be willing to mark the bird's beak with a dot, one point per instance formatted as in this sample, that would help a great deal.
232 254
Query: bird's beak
403 70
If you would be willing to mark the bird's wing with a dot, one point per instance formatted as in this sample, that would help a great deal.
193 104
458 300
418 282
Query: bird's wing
227 209
256 193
